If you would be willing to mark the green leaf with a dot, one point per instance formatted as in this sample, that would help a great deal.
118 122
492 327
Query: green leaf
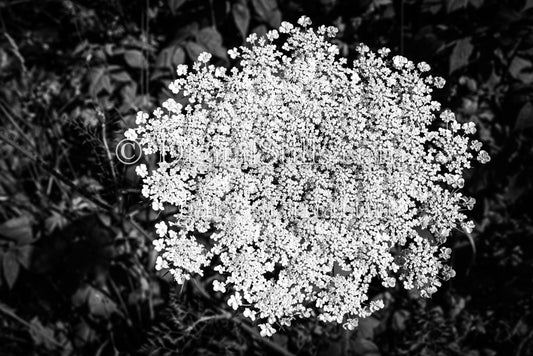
241 16
461 54
211 39
454 5
104 219
170 57
193 50
274 19
178 57
264 8
100 305
17 230
525 117
121 77
135 59
175 5
99 81
11 267
24 255
520 68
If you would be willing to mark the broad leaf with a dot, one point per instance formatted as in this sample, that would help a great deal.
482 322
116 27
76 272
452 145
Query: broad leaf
17 230
121 77
460 54
170 57
24 255
99 81
264 8
274 19
10 267
135 59
193 50
100 305
178 57
211 39
241 16
520 68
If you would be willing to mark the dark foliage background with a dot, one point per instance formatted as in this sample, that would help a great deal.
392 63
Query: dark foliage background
76 264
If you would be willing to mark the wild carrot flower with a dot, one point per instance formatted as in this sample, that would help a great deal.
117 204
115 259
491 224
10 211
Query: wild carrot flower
257 156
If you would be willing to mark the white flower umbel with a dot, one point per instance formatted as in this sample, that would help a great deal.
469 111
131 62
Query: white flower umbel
314 178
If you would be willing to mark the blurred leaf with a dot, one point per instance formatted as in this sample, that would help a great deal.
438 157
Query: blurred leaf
193 50
528 5
98 81
431 6
399 318
241 16
476 3
175 5
458 304
453 5
11 267
84 334
525 117
518 70
274 19
281 340
260 30
121 77
265 9
211 39
80 297
100 305
170 57
17 230
104 219
135 59
363 347
41 335
24 255
366 327
186 32
178 57
460 54
55 221
377 3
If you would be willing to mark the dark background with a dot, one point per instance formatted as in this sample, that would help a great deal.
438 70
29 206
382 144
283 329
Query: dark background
76 262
